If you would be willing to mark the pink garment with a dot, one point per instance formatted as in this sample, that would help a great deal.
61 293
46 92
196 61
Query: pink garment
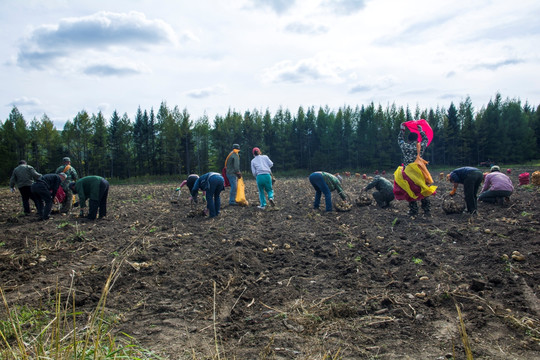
497 181
413 127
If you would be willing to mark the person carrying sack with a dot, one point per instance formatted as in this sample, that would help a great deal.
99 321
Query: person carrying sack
412 180
232 166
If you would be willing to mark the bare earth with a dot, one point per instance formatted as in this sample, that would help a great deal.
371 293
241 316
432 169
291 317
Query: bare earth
290 282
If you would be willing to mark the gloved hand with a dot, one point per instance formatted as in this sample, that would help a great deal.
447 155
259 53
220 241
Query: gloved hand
453 192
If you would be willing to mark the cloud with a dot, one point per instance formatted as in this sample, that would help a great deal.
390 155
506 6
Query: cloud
25 101
110 70
100 31
360 89
344 7
206 92
307 29
381 83
494 66
303 71
278 6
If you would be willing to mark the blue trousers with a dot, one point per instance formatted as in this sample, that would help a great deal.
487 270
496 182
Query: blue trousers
264 183
318 183
233 180
213 201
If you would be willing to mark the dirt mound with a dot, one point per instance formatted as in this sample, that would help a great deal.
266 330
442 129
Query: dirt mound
291 282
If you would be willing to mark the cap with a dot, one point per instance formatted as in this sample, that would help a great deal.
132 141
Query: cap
256 151
66 159
236 146
63 174
495 168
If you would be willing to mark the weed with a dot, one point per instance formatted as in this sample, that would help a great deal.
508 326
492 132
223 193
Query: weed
63 225
417 261
154 229
525 213
2 244
358 258
350 245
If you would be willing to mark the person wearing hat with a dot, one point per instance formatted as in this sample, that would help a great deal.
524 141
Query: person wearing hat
325 183
44 190
385 191
94 188
212 184
261 166
497 187
71 175
232 164
23 177
471 178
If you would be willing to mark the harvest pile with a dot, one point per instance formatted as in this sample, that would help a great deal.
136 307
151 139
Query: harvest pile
342 205
363 200
453 204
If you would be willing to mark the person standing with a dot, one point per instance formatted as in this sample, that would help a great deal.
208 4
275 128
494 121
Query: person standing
232 163
471 178
94 188
23 177
71 176
385 191
44 190
325 183
411 149
213 184
261 168
497 187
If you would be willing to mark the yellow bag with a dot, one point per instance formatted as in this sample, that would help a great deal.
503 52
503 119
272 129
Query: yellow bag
240 193
422 165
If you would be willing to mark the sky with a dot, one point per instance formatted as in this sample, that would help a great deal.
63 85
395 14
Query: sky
60 57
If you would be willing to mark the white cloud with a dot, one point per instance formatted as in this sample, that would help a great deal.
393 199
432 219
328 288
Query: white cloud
102 32
304 28
25 101
206 92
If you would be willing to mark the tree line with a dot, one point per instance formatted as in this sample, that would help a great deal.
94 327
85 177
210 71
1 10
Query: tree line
359 139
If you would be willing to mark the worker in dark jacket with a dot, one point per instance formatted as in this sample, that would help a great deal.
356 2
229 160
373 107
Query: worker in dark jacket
94 188
44 190
23 177
385 191
212 184
471 178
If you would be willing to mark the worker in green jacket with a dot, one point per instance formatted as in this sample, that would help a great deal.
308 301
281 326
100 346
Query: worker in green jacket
94 188
325 183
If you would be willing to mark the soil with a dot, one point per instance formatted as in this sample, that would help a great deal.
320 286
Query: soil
290 282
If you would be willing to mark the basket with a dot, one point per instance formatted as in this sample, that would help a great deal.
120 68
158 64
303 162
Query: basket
453 204
342 205
364 199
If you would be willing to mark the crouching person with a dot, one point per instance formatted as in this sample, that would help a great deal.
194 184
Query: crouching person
385 191
44 190
94 188
497 187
